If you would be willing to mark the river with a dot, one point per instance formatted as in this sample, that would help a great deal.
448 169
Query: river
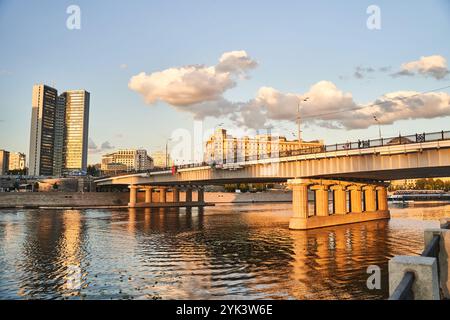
228 252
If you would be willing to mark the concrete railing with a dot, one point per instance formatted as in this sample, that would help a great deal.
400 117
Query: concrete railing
425 277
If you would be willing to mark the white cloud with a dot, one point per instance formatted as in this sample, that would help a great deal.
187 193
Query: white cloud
194 84
123 66
432 66
199 90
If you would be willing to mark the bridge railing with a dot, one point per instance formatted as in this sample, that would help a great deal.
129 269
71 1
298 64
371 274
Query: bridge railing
414 278
360 144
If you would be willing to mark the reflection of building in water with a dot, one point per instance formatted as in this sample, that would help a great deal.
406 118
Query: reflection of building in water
342 255
224 148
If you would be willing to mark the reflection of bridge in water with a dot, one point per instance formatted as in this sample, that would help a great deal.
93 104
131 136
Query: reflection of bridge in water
351 175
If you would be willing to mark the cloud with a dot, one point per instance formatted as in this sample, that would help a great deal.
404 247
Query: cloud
400 105
431 66
93 148
194 84
199 90
123 66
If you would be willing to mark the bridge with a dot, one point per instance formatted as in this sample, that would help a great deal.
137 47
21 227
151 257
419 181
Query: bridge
355 172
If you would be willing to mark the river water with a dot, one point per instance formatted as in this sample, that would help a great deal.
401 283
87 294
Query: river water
226 252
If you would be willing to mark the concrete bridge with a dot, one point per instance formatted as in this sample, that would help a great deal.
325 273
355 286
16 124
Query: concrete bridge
355 172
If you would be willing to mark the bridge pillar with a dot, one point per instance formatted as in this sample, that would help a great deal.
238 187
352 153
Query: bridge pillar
176 194
370 198
321 200
382 198
300 205
162 195
189 194
133 196
148 194
355 199
200 194
339 199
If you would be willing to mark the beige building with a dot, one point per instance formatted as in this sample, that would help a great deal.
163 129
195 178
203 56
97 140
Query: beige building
4 162
223 148
127 160
160 159
17 161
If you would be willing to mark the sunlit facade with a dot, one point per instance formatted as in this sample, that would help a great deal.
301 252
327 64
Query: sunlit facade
76 130
127 159
224 148
17 161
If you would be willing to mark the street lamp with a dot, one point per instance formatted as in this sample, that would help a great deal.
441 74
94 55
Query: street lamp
379 126
167 153
298 121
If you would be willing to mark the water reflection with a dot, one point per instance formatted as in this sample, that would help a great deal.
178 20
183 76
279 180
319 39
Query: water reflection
242 251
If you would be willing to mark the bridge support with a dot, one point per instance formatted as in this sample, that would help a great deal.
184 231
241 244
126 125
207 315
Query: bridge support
163 203
375 196
176 194
148 194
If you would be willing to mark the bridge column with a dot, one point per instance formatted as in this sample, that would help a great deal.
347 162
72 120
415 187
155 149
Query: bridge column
176 194
321 200
189 194
299 204
339 199
370 198
355 199
382 198
200 194
148 194
162 195
133 196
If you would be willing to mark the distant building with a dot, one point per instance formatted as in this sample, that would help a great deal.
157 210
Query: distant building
17 161
127 160
161 159
59 131
222 148
4 162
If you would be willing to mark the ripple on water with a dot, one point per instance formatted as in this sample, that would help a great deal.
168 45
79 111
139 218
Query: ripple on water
229 252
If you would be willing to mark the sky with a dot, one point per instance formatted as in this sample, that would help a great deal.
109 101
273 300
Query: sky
153 67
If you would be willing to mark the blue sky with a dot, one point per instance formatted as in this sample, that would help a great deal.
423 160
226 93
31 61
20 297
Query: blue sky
296 45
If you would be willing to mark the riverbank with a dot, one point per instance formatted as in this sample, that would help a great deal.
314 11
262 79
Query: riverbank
110 200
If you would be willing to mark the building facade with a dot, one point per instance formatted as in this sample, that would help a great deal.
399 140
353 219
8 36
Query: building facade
42 134
17 161
224 148
4 162
59 131
161 159
75 147
127 160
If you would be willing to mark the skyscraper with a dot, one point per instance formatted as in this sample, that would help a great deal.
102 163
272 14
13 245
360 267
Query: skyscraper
59 131
42 133
4 162
76 130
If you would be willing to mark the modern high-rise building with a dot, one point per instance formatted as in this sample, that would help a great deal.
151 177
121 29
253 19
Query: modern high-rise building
75 147
4 162
60 119
17 161
59 131
42 133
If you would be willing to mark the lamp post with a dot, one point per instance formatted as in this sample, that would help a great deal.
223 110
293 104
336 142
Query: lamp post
167 153
299 133
379 126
